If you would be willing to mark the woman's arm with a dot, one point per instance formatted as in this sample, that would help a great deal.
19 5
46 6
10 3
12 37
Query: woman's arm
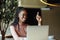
14 34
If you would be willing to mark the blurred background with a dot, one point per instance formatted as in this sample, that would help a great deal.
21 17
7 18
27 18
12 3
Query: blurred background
50 15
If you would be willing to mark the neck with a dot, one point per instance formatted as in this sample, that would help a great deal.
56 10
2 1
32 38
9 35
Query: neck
21 23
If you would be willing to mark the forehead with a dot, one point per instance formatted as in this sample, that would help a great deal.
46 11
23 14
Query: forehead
23 11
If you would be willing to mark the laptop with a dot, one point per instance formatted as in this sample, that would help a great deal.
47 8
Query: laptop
37 32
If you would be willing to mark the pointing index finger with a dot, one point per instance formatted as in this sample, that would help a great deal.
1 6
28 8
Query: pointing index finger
37 13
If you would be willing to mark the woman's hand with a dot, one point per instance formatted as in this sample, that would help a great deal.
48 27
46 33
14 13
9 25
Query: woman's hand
38 18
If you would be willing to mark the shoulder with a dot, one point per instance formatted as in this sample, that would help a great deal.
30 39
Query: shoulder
11 26
12 29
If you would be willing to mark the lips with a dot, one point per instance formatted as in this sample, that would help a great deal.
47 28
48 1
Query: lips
23 19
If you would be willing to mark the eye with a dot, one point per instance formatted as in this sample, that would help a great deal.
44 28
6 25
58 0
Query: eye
24 14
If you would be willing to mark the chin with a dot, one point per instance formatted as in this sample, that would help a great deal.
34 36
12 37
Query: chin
23 20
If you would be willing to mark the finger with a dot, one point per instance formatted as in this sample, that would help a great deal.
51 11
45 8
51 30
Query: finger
38 16
37 13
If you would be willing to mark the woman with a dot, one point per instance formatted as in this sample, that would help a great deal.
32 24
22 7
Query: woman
18 27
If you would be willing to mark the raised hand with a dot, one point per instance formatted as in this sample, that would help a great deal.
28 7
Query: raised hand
38 18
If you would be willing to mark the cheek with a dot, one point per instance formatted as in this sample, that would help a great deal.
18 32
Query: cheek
25 17
20 16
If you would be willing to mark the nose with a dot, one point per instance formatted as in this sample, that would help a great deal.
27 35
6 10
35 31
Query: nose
23 16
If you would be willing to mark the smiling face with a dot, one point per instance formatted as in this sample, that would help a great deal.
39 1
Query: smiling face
22 15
